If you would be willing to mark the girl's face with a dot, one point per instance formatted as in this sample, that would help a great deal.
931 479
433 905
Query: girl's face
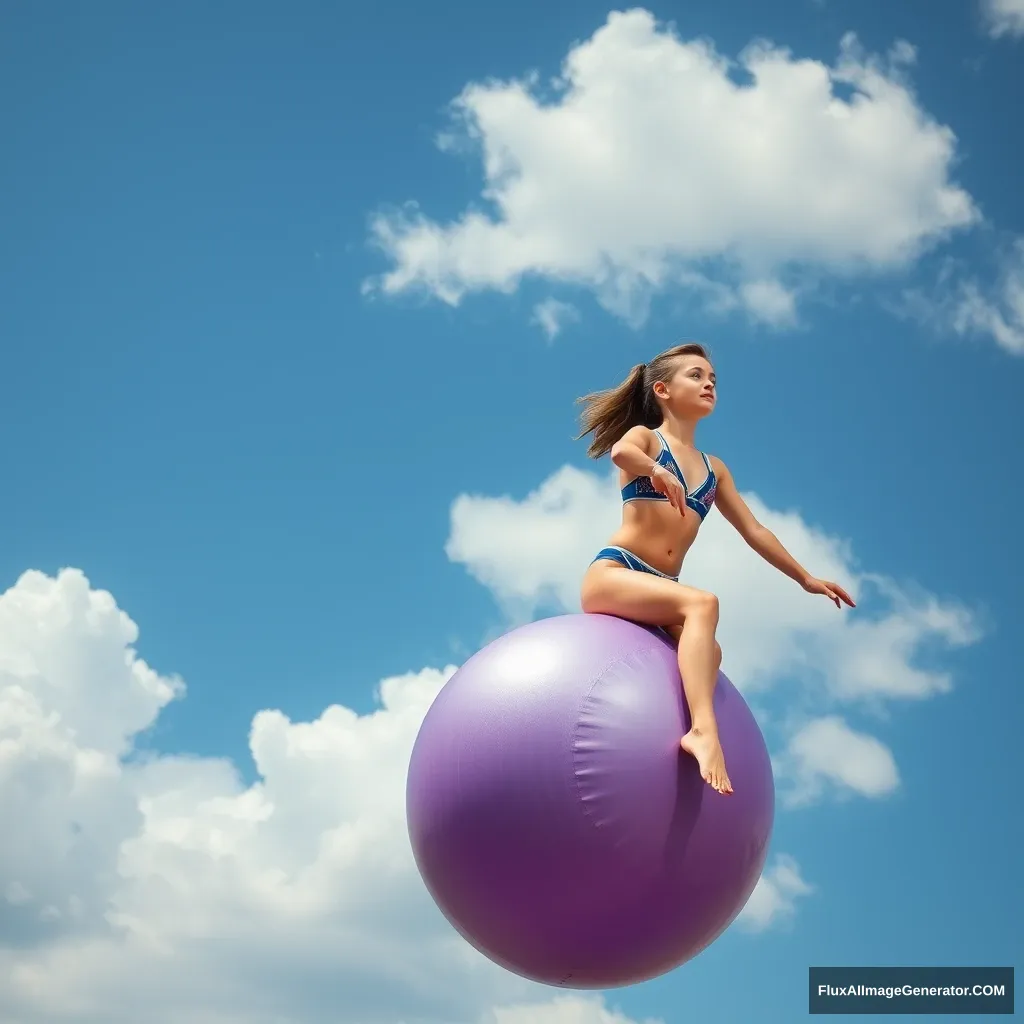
691 391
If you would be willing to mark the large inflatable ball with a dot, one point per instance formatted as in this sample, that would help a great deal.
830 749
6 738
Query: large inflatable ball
557 823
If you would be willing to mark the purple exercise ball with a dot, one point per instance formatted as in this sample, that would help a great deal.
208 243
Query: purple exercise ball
555 820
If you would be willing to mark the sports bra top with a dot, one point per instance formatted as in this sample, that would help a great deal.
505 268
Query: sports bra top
641 489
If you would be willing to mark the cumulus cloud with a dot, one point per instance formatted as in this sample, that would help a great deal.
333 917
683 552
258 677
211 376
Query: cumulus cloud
139 886
827 752
531 553
1003 17
655 162
775 896
60 753
163 888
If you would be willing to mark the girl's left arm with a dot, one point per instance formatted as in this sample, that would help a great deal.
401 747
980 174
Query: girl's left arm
764 542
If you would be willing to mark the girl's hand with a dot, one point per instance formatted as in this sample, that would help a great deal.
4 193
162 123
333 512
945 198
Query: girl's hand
667 483
832 591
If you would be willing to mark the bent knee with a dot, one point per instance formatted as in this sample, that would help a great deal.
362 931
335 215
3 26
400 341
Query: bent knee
702 603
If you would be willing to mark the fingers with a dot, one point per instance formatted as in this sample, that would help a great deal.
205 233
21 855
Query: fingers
832 591
836 592
676 496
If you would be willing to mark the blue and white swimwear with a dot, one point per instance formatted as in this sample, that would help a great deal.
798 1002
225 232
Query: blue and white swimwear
631 561
642 489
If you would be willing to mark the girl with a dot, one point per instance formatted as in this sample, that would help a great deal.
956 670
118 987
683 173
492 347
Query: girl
648 424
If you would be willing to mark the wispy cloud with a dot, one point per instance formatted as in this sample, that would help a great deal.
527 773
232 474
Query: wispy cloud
552 316
1003 18
962 305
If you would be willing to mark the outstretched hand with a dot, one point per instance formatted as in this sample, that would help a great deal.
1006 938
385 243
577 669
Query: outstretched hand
832 591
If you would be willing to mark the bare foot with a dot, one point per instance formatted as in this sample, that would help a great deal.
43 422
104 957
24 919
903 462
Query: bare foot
705 747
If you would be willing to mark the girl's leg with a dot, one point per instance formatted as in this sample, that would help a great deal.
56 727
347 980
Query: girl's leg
691 616
677 631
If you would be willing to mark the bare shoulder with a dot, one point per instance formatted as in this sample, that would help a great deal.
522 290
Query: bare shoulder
642 437
726 484
720 468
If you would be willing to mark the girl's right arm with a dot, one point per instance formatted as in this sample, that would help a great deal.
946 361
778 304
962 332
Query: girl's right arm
631 453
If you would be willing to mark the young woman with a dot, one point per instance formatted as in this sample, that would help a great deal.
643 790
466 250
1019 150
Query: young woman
648 424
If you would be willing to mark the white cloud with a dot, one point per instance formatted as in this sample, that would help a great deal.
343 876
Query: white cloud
158 887
568 1009
775 896
59 753
531 553
165 888
770 302
962 305
827 751
652 164
552 316
999 313
1004 17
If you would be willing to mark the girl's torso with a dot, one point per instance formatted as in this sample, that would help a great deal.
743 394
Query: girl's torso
651 528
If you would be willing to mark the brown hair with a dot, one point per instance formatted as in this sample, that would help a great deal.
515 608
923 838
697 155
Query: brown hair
609 414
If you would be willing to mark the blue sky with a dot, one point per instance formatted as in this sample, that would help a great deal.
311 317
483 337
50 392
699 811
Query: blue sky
308 437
